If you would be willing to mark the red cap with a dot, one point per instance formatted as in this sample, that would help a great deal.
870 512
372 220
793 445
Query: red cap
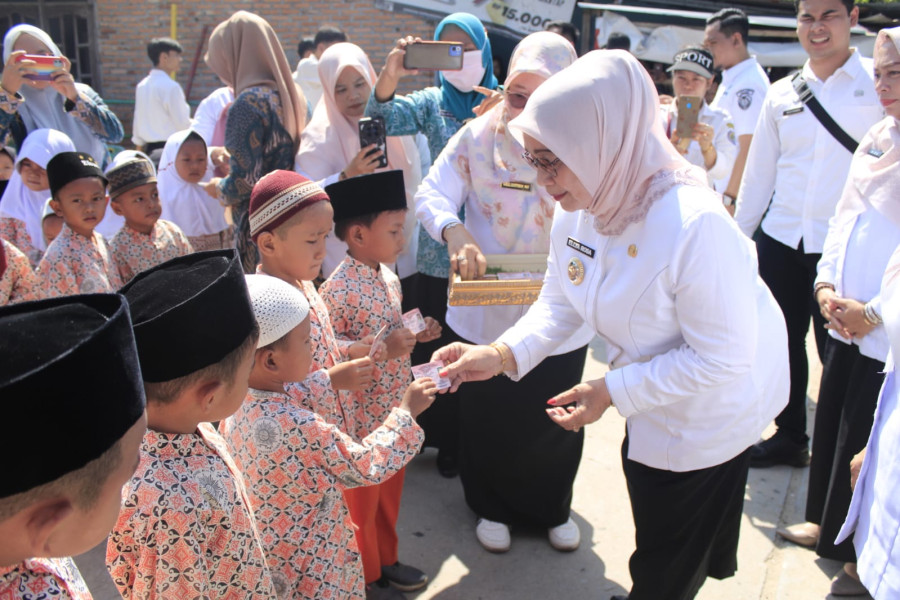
278 196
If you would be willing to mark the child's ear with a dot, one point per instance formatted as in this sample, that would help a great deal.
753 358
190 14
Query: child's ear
115 206
57 208
357 234
203 393
42 521
266 243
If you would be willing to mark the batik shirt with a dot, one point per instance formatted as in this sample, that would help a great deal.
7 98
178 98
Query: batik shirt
295 466
361 300
421 112
74 264
43 579
14 231
186 529
17 281
316 393
134 252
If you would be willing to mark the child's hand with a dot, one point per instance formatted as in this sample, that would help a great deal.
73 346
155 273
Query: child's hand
431 332
400 342
353 375
212 187
363 348
419 396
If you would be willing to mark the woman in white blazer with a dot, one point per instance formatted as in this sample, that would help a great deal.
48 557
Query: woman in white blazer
644 253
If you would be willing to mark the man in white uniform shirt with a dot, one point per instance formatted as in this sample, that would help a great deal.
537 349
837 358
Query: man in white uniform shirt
795 172
307 73
741 93
160 108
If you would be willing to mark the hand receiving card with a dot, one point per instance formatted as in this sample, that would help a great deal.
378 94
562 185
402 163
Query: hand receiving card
379 337
414 321
432 370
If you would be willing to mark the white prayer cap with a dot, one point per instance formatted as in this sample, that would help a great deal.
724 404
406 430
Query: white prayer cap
277 305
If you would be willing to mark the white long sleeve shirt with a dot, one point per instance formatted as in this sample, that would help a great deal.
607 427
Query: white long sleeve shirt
741 94
795 168
159 109
208 112
697 346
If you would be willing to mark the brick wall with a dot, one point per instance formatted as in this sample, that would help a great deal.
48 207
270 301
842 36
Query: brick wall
125 27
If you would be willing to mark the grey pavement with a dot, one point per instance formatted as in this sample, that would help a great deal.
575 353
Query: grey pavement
437 533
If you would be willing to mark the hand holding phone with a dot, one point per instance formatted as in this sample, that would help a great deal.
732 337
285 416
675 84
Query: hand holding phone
688 110
434 56
44 67
372 131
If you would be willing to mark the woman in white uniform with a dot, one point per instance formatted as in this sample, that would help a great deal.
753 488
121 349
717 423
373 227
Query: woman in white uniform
645 254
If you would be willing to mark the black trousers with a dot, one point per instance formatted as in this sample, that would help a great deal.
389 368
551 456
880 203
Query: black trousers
441 421
847 398
686 525
790 274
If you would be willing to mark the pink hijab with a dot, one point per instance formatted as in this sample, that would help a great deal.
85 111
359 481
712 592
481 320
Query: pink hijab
628 163
330 140
875 172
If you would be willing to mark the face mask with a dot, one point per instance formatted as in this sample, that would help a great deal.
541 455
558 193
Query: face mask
470 75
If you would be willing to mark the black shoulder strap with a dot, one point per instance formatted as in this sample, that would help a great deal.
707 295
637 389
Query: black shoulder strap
807 98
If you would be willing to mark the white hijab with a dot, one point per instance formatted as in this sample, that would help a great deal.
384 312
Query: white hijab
19 202
625 161
187 204
45 109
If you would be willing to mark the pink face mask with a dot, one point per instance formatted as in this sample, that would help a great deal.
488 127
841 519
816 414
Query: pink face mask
470 75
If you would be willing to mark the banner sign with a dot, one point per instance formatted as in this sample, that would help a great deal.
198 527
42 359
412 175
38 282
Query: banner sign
519 16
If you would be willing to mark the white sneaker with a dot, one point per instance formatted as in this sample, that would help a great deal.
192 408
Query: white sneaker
492 535
565 537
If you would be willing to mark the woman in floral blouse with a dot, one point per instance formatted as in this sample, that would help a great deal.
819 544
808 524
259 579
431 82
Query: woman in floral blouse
262 133
60 104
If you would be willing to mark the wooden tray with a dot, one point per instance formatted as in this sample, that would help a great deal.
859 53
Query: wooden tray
500 285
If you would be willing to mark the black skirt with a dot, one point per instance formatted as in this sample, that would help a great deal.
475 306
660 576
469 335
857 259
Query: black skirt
686 526
847 398
516 465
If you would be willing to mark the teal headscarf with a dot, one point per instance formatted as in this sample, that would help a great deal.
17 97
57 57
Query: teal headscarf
460 104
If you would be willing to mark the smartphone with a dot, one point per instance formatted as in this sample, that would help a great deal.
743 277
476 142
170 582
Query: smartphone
434 56
45 68
372 131
688 110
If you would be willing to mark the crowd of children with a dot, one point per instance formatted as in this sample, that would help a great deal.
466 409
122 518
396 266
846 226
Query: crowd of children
298 496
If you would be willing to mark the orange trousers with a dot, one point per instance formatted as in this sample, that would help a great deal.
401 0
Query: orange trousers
374 510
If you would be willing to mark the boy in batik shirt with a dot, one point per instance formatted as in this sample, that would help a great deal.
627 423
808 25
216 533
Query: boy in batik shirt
186 529
56 500
290 216
363 298
79 260
296 465
17 280
145 240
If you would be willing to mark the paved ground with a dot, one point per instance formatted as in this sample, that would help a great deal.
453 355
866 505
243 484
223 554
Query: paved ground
437 534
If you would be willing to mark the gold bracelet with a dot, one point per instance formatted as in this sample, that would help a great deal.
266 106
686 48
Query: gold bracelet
505 355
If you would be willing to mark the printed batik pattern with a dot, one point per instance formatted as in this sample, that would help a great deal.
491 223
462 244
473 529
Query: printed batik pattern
17 280
186 529
316 392
14 231
74 264
295 466
361 300
43 579
134 252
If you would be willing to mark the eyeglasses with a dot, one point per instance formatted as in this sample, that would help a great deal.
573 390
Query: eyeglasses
548 166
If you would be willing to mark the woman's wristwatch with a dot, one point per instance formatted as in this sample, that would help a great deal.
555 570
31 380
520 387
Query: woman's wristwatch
728 200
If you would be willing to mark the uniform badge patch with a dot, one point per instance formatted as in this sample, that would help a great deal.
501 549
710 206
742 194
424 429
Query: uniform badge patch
745 98
731 137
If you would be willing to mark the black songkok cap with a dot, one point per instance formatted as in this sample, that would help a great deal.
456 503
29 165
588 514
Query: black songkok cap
357 197
66 167
189 313
70 386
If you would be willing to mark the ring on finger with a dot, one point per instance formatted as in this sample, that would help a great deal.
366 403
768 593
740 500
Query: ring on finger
461 258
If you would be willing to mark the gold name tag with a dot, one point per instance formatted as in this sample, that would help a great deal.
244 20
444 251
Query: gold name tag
516 185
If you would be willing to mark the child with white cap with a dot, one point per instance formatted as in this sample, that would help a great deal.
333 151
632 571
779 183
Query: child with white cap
296 466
